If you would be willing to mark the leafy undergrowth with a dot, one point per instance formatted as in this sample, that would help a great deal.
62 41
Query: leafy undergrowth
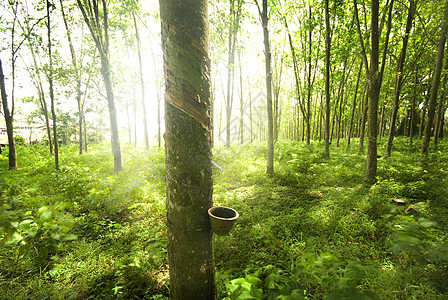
311 231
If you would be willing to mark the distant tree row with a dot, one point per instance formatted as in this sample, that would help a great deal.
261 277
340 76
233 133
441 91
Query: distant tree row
300 70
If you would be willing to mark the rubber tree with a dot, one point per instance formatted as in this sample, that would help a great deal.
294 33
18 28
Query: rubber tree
12 156
435 82
7 112
374 94
399 77
327 78
50 75
263 11
142 83
97 22
185 44
235 15
77 77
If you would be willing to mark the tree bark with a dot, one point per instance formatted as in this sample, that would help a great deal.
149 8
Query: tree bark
374 93
12 156
327 80
435 83
185 43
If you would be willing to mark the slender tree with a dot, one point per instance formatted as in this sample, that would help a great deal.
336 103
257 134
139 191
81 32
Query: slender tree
309 85
263 11
98 24
235 14
435 83
399 77
50 82
185 43
327 79
77 73
142 84
350 130
9 113
12 156
374 93
438 130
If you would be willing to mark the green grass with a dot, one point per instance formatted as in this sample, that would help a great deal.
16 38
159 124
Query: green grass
313 230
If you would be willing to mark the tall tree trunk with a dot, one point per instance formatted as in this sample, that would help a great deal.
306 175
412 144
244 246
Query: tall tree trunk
80 115
438 131
276 98
250 117
241 135
85 132
308 102
157 75
374 93
340 123
267 49
362 127
142 84
399 78
411 126
50 82
435 83
233 32
77 78
386 43
382 122
366 103
350 129
185 42
9 114
115 142
267 52
300 105
12 156
327 79
99 29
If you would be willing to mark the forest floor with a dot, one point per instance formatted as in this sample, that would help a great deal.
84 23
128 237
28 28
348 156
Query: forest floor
313 230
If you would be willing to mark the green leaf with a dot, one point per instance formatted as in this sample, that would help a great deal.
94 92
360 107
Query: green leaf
69 237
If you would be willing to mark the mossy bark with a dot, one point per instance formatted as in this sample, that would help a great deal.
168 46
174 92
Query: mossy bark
185 42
